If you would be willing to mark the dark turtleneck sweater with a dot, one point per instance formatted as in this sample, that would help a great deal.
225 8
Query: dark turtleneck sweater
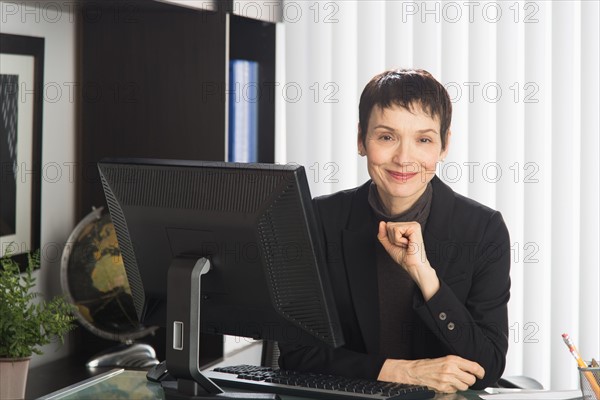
396 287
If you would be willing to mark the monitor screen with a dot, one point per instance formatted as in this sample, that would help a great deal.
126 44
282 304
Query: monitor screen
247 230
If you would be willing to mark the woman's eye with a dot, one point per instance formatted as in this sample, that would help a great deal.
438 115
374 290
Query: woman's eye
386 138
425 140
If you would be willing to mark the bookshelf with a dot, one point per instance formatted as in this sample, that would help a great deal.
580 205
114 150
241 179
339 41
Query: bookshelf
255 40
153 78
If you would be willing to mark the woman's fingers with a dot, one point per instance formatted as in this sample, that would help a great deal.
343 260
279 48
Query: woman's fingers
457 373
395 251
446 374
471 367
397 236
405 236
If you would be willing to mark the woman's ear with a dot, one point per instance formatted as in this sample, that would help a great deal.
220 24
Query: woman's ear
359 143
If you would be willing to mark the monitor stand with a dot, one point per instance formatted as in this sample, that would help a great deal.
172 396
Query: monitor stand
183 335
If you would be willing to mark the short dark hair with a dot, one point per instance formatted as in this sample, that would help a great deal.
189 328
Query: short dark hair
406 88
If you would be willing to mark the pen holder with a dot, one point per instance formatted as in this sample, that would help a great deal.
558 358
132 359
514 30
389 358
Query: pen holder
590 383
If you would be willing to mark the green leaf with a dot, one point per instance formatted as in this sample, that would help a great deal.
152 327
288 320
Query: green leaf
25 323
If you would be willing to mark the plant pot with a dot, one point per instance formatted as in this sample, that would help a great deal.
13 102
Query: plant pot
13 377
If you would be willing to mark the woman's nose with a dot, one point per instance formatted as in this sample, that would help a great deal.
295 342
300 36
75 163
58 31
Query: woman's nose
402 153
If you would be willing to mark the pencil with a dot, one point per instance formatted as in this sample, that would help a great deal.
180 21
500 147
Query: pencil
588 375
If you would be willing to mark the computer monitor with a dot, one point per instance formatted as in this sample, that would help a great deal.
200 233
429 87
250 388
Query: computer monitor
219 247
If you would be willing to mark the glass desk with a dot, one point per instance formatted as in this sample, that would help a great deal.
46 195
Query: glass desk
120 384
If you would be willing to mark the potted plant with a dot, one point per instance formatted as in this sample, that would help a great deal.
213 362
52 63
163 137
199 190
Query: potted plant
26 322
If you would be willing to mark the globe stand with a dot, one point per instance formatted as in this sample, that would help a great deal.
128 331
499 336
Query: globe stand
126 355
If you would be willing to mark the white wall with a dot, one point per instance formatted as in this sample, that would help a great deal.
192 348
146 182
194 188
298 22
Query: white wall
54 21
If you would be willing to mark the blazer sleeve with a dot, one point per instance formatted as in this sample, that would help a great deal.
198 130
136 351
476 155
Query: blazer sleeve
342 361
476 329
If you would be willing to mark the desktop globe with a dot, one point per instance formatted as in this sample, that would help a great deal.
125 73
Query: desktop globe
93 278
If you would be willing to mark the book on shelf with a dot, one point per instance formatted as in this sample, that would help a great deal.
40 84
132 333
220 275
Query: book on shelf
244 93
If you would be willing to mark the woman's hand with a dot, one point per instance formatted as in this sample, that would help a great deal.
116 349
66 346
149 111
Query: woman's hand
446 374
404 243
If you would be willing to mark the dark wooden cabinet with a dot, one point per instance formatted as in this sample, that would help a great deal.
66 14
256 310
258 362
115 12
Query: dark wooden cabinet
153 79
153 84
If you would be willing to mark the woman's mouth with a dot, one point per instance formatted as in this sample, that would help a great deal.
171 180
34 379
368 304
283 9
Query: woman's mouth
402 176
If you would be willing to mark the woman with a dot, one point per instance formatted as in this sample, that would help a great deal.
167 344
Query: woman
420 274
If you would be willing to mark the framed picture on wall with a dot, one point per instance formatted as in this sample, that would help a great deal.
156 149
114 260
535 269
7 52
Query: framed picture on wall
21 101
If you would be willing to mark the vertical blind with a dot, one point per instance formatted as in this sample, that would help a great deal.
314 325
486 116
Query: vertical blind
523 79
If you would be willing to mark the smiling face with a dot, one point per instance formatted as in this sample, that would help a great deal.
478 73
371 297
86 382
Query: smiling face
402 148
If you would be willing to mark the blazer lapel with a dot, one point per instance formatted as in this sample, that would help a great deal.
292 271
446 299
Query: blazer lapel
438 252
438 245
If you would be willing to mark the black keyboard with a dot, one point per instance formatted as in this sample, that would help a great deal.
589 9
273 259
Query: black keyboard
316 386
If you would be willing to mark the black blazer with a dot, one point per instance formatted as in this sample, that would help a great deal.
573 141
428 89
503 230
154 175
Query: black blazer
468 245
